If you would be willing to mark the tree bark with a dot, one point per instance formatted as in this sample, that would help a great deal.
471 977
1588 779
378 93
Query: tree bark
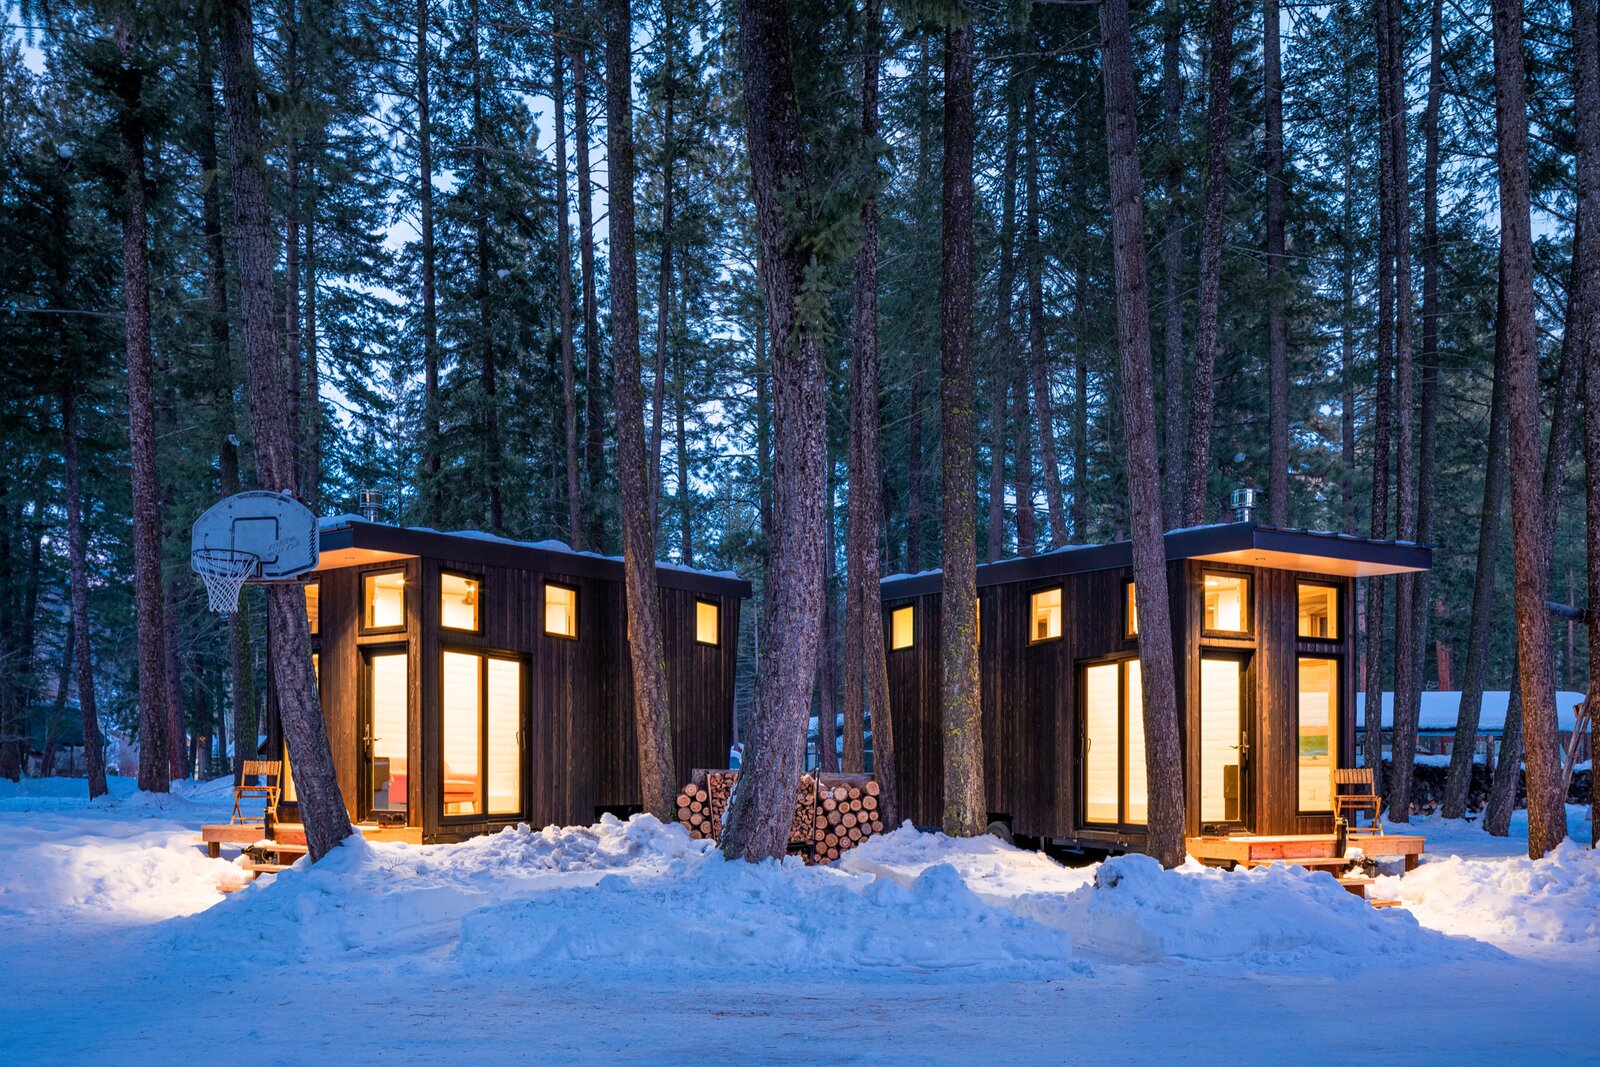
1585 323
487 363
1172 468
866 661
658 782
241 647
1203 389
433 496
763 802
965 808
594 455
93 746
1163 753
828 663
1003 357
1038 354
176 748
569 394
1546 813
269 380
1277 323
1508 771
149 600
664 275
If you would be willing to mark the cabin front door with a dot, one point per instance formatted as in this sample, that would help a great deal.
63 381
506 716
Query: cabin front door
1224 746
385 775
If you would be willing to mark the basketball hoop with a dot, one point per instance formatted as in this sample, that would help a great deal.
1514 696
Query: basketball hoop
224 571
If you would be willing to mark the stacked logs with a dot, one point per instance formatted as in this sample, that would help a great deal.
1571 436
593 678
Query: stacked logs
833 812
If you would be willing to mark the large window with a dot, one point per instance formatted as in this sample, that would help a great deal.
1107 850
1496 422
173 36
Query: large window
383 596
314 607
388 773
1222 792
1114 784
560 610
707 623
481 735
901 629
459 598
1319 610
1227 603
1045 613
1318 731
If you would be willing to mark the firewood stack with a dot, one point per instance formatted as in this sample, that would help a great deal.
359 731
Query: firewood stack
833 812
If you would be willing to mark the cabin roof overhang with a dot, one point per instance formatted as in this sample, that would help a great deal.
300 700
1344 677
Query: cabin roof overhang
348 541
1245 543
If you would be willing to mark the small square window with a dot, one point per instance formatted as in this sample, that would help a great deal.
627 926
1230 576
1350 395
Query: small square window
1046 616
707 623
1227 603
1319 611
1130 607
313 592
560 610
901 633
458 601
384 594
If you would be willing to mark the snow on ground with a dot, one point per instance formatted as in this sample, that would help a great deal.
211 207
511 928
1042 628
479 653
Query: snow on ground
628 942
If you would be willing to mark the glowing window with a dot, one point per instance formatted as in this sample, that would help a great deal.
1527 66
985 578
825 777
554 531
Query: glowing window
1114 784
1319 611
1227 603
707 623
481 735
384 596
458 602
1046 615
1319 711
1130 607
901 633
560 610
313 606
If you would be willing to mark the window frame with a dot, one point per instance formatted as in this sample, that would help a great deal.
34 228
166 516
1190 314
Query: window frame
544 610
483 656
1122 825
314 629
1335 722
405 601
1248 606
911 630
1061 616
1336 615
715 606
477 609
1130 620
365 691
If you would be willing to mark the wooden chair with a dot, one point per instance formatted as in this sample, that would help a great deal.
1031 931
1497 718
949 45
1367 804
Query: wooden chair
1366 799
270 775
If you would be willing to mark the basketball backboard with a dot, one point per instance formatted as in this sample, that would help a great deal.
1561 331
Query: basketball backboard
276 528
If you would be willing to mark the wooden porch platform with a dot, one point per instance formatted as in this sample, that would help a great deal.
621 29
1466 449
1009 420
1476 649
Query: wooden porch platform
264 854
1313 851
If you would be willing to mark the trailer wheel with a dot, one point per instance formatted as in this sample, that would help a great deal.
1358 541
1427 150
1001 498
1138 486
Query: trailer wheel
1001 830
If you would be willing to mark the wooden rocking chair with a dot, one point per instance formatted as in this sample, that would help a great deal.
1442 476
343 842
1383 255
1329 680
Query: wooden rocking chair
270 775
1366 799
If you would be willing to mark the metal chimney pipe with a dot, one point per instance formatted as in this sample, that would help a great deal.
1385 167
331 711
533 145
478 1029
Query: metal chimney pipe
371 504
1243 502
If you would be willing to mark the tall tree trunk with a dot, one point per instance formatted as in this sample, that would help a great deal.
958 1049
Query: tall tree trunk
828 659
1202 395
683 483
176 749
311 407
1003 356
1277 323
763 803
1458 780
664 277
1546 814
1172 468
1347 336
93 746
914 477
1508 775
241 650
495 514
1163 754
148 597
290 103
569 387
1038 356
965 801
433 496
1586 321
866 663
322 808
594 455
652 716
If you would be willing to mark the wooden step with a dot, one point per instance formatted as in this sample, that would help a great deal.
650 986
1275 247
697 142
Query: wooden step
263 868
1357 884
1378 902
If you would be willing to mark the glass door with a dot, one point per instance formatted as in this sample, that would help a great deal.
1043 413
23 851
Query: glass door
1224 745
387 778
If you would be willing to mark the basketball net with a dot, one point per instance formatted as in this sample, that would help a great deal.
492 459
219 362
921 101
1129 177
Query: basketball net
224 571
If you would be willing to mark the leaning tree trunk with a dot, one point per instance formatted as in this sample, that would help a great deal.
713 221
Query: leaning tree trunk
1507 776
93 748
965 810
763 803
1202 394
1163 753
652 716
147 594
866 660
1277 322
270 381
1585 322
1546 814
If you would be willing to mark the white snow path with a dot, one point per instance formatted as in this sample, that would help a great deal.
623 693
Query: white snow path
114 945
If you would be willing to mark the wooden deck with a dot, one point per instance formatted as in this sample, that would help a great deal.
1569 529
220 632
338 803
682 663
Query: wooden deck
1312 851
264 854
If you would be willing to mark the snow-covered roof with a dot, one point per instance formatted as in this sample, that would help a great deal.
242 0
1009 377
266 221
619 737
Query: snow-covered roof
1439 709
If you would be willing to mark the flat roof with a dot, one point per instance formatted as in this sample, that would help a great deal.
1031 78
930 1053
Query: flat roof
348 540
1247 543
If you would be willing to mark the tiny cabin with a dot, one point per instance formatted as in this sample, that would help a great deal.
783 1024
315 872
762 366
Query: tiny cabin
470 682
1264 639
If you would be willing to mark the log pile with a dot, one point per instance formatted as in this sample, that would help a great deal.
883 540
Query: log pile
833 812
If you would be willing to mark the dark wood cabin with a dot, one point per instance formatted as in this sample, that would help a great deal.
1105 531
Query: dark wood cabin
470 682
1264 640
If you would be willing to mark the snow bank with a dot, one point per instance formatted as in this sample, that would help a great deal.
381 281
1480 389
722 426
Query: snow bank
1554 900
